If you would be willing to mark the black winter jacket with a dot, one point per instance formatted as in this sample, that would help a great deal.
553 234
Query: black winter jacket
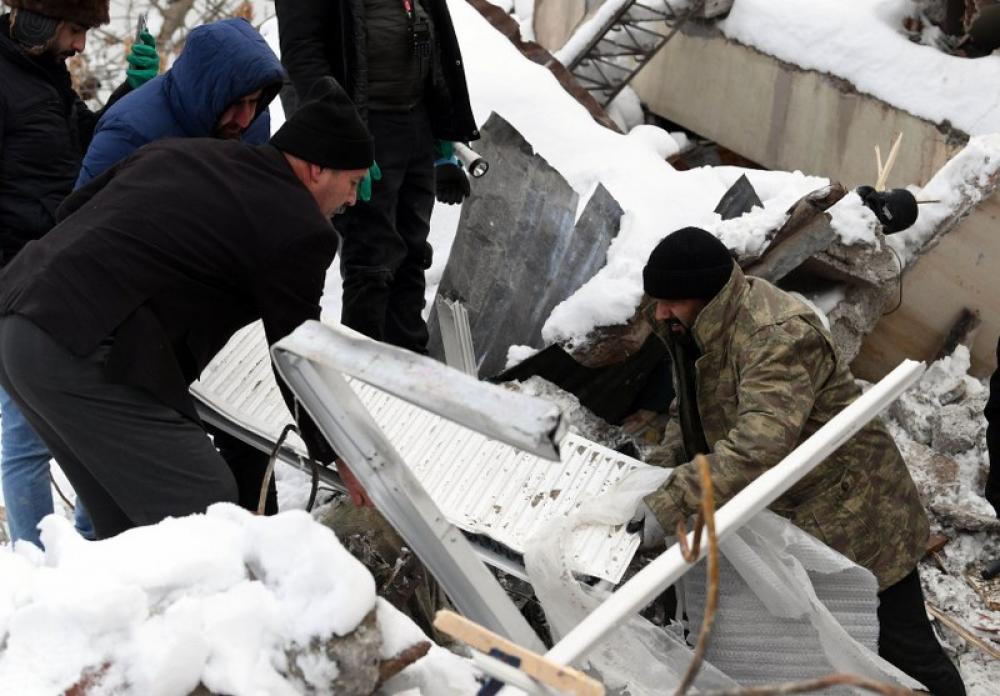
170 252
45 129
992 412
327 38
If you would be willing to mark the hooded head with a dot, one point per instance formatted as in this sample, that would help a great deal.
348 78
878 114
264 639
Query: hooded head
223 65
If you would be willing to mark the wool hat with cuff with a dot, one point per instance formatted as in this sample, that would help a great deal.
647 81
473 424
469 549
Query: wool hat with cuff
327 130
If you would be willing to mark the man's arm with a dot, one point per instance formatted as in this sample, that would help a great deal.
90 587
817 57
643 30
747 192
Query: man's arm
86 120
302 27
287 294
780 368
112 143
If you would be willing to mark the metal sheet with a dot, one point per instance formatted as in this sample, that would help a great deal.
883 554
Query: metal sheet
483 486
495 268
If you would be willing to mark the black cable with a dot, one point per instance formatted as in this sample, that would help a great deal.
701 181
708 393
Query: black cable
899 261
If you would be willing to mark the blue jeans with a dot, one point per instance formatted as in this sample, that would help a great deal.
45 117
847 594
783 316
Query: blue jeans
24 473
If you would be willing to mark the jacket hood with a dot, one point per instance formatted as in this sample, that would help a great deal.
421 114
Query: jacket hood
221 62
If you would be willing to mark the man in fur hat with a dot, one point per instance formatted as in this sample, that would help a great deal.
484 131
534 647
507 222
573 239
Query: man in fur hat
44 131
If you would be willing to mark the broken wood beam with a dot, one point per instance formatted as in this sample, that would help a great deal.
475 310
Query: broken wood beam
536 666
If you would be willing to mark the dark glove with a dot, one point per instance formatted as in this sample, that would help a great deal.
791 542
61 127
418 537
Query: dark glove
644 522
143 60
896 209
451 181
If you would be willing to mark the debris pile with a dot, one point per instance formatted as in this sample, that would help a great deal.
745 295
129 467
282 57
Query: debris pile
940 430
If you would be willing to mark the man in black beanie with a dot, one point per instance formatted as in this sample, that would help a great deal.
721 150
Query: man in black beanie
756 374
106 320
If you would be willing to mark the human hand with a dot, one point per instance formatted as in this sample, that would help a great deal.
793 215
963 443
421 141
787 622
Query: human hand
143 60
645 524
354 488
365 185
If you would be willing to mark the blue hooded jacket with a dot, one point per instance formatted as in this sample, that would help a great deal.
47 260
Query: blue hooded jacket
221 62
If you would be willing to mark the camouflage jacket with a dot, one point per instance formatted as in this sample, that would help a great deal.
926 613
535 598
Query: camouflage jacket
768 377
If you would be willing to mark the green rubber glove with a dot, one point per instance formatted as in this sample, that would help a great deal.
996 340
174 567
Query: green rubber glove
365 185
143 60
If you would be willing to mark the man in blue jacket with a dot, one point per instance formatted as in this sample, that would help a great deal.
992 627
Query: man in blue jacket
220 86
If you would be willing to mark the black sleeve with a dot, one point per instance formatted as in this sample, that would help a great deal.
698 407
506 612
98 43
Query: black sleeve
82 195
86 119
287 294
303 26
992 413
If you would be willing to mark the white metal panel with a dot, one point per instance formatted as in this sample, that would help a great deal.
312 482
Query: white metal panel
483 486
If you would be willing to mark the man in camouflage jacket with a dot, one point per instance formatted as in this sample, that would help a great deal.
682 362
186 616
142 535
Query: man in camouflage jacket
756 374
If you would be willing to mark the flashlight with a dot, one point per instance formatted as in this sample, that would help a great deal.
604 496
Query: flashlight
475 164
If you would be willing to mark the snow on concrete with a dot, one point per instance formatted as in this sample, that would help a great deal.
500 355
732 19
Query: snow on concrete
962 181
862 41
215 598
656 198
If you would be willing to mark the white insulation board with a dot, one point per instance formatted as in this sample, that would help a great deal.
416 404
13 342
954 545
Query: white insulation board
482 486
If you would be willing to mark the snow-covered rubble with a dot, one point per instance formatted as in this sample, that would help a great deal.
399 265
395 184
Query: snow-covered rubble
939 426
238 603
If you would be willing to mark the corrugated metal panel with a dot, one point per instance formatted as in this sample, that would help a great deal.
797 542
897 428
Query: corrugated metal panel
482 486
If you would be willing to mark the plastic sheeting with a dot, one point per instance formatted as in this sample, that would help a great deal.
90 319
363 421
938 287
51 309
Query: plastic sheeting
790 607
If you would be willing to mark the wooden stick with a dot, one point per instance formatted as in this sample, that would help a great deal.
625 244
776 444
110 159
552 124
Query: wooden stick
811 685
963 631
534 665
889 163
878 165
712 592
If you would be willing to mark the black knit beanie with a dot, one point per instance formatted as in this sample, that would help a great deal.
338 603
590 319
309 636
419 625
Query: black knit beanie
327 130
687 264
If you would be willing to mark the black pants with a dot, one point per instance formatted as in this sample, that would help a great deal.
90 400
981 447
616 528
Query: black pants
133 460
248 465
907 640
384 250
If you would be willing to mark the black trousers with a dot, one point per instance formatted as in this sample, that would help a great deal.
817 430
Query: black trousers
384 250
907 640
133 460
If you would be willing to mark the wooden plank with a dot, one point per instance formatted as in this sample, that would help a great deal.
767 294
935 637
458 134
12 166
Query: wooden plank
546 671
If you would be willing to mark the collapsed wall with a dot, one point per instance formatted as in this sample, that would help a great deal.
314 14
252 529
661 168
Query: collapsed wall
790 118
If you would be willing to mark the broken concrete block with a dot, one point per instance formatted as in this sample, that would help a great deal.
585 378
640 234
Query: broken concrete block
955 429
352 661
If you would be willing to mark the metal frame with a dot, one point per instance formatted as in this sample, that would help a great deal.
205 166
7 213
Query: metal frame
456 336
645 31
313 361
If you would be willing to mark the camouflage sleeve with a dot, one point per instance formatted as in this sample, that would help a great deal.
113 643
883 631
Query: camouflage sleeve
670 452
780 370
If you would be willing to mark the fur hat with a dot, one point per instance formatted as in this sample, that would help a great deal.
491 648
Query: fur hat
89 13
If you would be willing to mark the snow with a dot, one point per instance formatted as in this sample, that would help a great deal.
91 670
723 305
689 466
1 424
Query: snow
862 41
216 597
963 178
